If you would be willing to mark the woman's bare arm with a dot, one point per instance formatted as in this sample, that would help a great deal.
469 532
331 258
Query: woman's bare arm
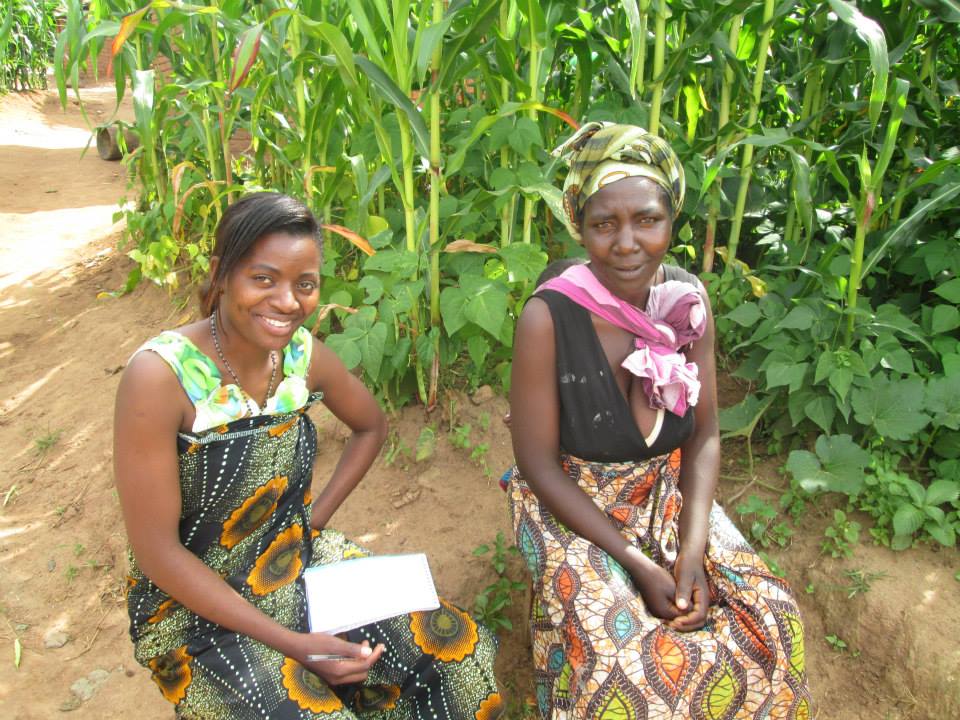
351 402
699 469
535 428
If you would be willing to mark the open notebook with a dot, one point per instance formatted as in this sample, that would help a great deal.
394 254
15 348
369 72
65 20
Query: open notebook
350 593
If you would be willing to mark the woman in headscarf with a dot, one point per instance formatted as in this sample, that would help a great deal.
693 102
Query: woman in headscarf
648 603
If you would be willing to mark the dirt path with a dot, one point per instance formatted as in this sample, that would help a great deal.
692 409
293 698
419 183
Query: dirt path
62 546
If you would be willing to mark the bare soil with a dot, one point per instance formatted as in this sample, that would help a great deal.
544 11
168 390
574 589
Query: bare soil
62 544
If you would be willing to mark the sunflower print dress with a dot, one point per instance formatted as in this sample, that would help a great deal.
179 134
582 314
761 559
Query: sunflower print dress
245 485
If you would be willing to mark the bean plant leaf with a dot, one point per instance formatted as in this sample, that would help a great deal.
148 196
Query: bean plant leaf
837 466
950 291
742 418
402 263
789 374
747 314
486 303
945 319
345 348
453 302
801 317
524 261
371 343
374 288
892 408
821 410
478 347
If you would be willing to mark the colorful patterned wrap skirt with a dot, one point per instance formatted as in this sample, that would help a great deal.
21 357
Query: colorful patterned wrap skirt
599 654
246 506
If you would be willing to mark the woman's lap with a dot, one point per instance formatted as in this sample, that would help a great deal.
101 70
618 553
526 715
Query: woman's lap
594 642
424 673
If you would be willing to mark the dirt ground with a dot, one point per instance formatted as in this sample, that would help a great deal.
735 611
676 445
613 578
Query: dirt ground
62 544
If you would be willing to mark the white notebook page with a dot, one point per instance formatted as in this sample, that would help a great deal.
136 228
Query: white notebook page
350 593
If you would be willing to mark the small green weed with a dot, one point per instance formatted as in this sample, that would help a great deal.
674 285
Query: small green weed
491 603
861 581
396 451
479 456
71 573
841 535
764 528
836 642
78 549
460 436
45 442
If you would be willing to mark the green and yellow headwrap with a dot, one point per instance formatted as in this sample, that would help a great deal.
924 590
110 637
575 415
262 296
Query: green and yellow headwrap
602 153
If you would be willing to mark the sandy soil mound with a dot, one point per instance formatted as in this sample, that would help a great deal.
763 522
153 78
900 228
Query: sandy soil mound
62 545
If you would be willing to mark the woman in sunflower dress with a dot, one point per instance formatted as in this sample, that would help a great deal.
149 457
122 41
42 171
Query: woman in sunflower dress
214 456
648 603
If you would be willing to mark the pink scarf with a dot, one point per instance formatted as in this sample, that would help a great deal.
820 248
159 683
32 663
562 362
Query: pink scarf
675 317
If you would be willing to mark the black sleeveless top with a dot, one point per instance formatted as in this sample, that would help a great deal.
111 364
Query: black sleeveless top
596 422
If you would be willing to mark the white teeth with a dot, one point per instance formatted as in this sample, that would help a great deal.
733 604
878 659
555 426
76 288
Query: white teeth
276 323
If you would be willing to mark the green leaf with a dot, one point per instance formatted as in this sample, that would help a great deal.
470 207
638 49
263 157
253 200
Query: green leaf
891 407
742 418
800 318
372 344
942 491
943 533
840 381
245 55
374 288
838 465
345 348
453 303
401 263
486 303
790 374
950 290
872 34
907 520
17 652
908 228
478 347
945 318
524 261
746 315
821 410
943 401
394 95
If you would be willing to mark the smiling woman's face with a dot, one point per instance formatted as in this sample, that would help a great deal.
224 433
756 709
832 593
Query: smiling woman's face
272 290
626 230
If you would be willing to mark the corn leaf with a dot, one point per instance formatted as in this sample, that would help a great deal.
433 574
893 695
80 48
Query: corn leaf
872 34
245 55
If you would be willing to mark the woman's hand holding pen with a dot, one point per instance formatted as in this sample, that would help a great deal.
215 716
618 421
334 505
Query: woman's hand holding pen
342 662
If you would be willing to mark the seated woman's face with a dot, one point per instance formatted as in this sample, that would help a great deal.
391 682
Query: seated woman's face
273 289
626 230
